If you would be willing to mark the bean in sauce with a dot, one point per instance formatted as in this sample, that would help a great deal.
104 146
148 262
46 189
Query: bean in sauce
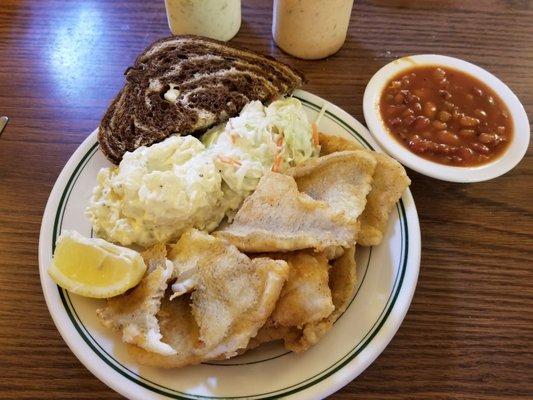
446 116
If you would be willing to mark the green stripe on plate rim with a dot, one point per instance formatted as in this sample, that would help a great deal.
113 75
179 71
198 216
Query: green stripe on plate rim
147 384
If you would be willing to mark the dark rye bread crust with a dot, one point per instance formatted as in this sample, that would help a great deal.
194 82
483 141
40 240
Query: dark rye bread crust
214 80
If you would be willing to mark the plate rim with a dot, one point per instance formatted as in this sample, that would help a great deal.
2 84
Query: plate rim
328 384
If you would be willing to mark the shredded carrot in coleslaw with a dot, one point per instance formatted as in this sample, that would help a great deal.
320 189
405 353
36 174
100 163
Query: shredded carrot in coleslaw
316 140
278 160
229 160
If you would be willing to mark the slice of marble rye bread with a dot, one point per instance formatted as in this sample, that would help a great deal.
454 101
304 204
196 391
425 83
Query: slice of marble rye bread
184 85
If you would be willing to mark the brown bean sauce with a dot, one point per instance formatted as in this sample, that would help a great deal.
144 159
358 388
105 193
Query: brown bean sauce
446 116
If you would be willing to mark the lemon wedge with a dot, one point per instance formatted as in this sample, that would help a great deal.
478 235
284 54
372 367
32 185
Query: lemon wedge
94 267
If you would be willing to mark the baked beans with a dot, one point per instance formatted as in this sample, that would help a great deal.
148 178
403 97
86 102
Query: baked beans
446 116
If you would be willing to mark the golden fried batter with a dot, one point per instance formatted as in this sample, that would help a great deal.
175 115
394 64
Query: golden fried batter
306 296
390 181
342 180
134 313
231 297
276 217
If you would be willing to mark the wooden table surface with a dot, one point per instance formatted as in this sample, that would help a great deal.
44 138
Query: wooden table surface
469 331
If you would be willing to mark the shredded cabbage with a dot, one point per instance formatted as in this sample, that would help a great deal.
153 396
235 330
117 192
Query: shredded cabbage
289 119
260 139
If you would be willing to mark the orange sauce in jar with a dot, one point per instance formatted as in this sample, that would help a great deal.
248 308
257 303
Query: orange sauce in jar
311 29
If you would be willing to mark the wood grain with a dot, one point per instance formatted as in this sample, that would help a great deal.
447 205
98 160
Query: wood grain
469 332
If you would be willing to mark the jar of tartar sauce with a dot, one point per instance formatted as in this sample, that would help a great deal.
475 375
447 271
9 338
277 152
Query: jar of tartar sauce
311 29
216 19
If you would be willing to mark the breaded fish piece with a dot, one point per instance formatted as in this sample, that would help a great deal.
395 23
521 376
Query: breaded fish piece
270 333
179 330
306 296
224 298
342 180
276 217
134 313
334 143
390 181
155 256
342 281
232 294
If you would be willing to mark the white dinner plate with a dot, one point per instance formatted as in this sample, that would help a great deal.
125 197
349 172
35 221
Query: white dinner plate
387 276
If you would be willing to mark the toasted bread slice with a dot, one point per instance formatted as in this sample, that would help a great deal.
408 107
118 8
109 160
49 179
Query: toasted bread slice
184 85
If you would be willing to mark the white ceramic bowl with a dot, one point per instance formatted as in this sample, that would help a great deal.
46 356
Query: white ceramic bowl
512 156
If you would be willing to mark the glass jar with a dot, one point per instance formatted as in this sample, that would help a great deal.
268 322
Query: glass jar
311 29
216 19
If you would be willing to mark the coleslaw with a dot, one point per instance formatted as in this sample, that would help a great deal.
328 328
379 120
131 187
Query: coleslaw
261 139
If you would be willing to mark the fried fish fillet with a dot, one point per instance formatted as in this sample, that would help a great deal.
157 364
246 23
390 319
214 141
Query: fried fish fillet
134 313
333 143
389 182
271 332
342 180
276 217
179 330
223 298
342 281
306 296
155 256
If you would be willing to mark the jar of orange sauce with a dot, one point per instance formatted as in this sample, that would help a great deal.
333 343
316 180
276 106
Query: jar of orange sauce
311 29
